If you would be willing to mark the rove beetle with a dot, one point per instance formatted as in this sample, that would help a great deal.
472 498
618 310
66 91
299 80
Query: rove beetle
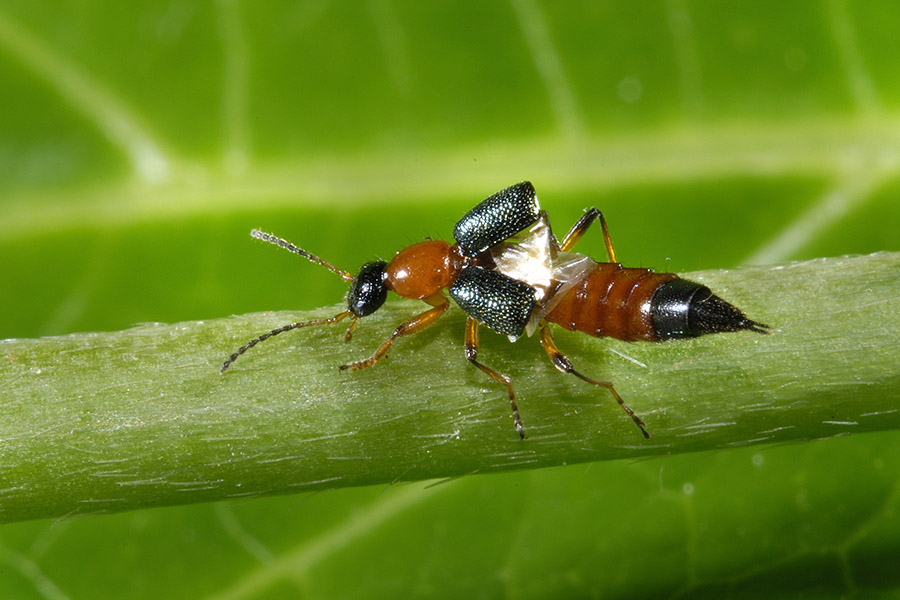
508 272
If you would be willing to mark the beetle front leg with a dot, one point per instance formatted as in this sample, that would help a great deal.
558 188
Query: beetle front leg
472 357
561 362
414 325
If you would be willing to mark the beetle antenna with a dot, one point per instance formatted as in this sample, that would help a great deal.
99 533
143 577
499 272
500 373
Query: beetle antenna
278 330
274 239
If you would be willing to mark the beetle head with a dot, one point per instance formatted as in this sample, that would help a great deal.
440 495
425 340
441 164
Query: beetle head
368 290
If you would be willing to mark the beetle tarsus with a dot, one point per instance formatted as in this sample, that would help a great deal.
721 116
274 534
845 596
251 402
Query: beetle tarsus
562 362
472 357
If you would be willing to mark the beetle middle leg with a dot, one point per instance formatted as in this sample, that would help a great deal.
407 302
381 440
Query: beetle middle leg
414 325
561 362
579 228
472 357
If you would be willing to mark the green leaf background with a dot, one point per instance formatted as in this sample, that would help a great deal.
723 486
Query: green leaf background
140 141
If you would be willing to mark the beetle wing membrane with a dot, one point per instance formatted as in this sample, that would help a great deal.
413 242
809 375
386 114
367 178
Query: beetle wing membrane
569 270
528 257
531 257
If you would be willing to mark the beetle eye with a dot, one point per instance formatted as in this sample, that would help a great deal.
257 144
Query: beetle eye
368 290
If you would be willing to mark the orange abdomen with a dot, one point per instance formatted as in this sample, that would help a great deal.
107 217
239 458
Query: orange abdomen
611 301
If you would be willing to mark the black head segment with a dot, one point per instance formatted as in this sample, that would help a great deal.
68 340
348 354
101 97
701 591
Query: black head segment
368 290
684 309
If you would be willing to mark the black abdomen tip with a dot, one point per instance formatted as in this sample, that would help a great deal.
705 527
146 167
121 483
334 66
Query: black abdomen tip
683 309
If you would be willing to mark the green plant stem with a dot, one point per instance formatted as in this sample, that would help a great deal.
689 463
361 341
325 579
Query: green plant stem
115 421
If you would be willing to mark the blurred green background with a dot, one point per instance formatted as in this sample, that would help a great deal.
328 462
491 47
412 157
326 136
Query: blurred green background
141 141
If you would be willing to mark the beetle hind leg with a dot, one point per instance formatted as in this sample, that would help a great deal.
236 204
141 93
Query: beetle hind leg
472 357
561 362
579 229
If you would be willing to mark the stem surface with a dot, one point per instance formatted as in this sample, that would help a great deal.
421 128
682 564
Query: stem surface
101 422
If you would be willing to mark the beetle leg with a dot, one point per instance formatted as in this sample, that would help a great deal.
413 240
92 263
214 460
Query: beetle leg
414 325
472 357
578 229
561 362
349 334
